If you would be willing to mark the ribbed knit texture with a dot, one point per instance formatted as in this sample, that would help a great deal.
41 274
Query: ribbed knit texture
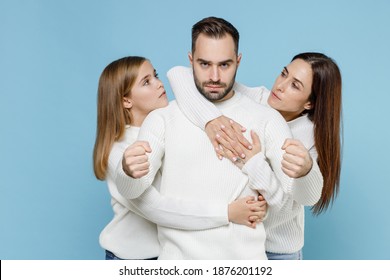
129 235
190 170
285 219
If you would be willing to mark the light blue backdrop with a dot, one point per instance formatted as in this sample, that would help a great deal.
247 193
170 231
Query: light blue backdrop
51 56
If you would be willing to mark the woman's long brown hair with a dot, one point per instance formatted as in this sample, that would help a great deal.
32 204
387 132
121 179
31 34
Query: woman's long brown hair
326 117
115 83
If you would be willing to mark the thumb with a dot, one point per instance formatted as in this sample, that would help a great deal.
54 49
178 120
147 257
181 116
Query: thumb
255 138
287 143
145 145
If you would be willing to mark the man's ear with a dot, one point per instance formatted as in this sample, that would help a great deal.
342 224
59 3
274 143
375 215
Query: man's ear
127 103
239 59
190 58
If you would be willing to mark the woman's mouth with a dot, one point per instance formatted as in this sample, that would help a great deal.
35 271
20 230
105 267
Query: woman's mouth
275 96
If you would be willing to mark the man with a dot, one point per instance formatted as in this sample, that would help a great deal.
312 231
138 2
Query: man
189 167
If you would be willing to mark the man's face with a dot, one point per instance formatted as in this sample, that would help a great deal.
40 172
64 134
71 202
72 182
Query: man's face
215 64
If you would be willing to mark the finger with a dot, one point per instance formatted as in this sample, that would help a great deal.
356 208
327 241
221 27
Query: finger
290 166
257 206
226 145
145 145
218 151
292 159
233 142
256 141
249 199
137 159
254 218
251 224
261 198
135 151
237 126
139 174
297 151
289 173
238 134
230 155
140 166
290 141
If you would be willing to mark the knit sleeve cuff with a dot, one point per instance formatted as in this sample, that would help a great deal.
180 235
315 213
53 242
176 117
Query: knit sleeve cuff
307 189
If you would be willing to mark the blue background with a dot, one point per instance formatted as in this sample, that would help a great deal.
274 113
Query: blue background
52 54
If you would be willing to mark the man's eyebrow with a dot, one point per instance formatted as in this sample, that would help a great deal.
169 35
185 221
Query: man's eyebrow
202 60
219 63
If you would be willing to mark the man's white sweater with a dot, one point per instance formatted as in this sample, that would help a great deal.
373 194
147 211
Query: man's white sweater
285 220
190 170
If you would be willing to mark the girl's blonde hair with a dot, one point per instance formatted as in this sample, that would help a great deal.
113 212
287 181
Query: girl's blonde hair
115 83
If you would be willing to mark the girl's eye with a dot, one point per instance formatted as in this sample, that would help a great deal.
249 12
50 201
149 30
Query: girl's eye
295 85
283 73
156 75
146 82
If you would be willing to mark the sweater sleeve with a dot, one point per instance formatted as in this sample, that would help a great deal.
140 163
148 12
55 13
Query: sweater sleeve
178 213
264 170
254 93
193 105
307 189
151 131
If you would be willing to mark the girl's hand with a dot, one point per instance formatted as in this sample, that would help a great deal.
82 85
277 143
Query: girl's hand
297 161
247 211
135 162
225 132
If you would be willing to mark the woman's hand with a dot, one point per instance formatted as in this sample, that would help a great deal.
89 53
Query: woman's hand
248 154
247 211
297 161
225 132
135 162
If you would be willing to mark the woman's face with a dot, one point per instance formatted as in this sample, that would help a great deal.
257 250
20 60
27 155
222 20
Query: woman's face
147 94
291 90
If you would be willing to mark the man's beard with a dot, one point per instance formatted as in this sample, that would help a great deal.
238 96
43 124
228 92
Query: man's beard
214 95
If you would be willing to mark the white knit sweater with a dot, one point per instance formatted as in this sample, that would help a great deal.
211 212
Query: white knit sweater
129 235
190 170
285 221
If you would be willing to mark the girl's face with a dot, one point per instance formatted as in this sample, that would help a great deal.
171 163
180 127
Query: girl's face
147 94
291 90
